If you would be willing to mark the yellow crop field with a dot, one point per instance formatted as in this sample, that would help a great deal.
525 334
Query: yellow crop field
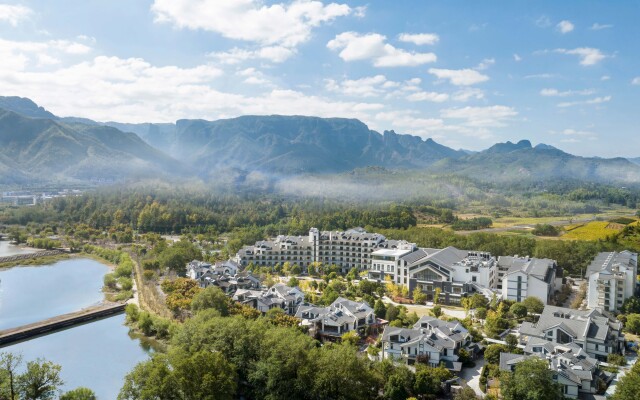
591 231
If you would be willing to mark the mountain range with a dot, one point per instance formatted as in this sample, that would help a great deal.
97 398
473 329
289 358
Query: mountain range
37 146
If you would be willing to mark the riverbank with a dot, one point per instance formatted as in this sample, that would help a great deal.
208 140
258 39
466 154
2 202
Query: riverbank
30 262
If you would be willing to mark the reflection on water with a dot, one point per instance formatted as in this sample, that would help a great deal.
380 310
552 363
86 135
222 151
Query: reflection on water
97 355
31 294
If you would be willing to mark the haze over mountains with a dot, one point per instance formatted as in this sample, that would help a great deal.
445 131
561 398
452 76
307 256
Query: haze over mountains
37 146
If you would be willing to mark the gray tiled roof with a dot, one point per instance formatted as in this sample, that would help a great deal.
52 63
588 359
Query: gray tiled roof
414 256
604 261
578 323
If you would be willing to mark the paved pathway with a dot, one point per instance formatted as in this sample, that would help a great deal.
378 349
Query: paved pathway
424 309
472 376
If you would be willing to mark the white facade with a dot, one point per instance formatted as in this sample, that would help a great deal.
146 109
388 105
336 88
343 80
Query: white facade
612 279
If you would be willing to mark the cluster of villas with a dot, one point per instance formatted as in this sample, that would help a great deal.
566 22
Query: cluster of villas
574 343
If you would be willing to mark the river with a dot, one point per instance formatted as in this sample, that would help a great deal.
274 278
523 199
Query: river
97 355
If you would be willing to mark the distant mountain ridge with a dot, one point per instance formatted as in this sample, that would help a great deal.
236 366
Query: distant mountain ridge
41 149
36 143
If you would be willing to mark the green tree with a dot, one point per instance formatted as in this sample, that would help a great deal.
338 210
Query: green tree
534 305
350 337
9 364
531 380
211 298
492 353
428 379
518 310
380 309
436 311
629 385
633 323
436 296
81 393
293 282
419 297
399 385
512 341
40 381
481 313
392 313
466 394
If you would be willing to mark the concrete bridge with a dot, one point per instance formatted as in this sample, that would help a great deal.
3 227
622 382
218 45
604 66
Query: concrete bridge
65 321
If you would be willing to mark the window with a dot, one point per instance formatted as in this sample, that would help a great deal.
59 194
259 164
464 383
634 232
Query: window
473 278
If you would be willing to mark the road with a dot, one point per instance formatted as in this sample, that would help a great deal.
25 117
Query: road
472 376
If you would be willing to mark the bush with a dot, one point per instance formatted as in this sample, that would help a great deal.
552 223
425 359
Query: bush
125 283
132 312
110 281
616 359
545 230
148 275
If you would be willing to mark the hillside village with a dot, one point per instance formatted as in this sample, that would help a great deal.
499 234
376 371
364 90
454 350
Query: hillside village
509 308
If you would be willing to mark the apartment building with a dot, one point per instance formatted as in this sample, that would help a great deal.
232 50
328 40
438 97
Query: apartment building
612 279
597 333
526 277
346 249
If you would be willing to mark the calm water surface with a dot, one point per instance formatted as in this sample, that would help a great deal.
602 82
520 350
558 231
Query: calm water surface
31 294
97 355
7 249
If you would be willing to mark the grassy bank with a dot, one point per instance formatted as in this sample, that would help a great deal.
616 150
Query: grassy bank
36 261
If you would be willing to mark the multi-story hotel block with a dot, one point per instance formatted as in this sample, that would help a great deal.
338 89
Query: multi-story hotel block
612 279
451 272
347 249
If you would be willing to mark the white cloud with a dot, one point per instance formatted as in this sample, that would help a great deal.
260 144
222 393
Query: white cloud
558 93
251 20
16 55
254 77
428 96
485 117
588 56
516 57
540 76
459 77
598 27
355 47
276 54
565 26
486 63
467 94
570 135
372 46
595 100
636 80
365 87
14 14
419 38
605 77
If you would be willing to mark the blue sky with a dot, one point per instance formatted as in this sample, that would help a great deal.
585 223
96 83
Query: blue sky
465 73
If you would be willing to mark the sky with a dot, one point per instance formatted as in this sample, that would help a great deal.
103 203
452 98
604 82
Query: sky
466 73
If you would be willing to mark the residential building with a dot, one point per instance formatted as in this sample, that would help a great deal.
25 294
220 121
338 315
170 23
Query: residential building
528 277
277 296
340 317
347 249
612 279
431 341
224 275
597 333
452 272
577 373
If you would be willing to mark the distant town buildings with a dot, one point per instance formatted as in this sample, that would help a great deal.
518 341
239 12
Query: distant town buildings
525 276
